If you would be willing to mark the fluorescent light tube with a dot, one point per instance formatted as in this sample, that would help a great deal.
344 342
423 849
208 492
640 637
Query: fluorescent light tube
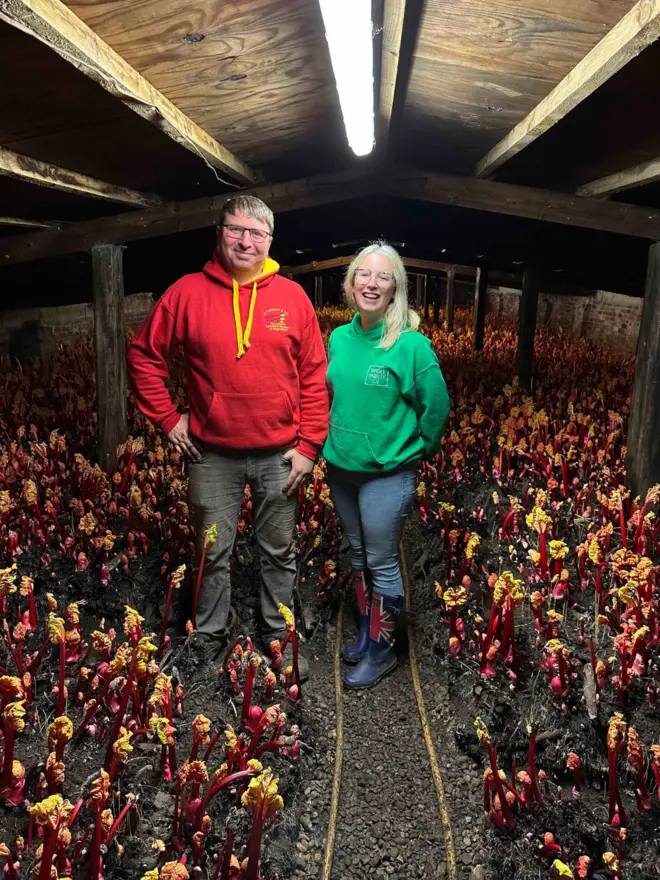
349 34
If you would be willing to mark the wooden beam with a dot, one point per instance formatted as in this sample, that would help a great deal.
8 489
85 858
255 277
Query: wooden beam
34 224
637 29
181 217
643 440
639 175
529 304
54 24
108 283
480 308
409 262
443 189
449 301
408 18
43 174
393 17
524 201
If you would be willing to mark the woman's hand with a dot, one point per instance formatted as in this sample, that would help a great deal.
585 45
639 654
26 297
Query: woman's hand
181 440
301 467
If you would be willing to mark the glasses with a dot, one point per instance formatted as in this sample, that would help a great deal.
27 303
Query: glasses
383 279
239 231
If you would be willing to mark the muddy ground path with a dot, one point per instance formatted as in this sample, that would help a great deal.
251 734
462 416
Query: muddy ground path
389 821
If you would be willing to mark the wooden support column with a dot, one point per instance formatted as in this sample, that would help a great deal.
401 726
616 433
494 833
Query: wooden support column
449 300
643 441
318 291
110 345
437 282
529 304
427 296
480 307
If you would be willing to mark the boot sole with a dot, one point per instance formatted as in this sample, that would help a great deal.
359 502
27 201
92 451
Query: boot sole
352 661
364 687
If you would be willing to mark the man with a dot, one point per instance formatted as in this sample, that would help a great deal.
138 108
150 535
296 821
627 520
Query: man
255 365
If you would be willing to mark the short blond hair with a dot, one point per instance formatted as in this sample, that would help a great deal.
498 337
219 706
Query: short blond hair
250 205
399 318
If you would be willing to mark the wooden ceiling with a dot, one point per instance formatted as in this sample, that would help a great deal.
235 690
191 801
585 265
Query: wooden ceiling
480 66
254 78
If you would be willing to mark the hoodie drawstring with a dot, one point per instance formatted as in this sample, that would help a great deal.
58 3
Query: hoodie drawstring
243 337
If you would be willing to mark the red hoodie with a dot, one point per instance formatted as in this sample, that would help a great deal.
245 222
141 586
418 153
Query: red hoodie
255 361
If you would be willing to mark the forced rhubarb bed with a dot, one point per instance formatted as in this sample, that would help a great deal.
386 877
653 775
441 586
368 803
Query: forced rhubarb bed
127 753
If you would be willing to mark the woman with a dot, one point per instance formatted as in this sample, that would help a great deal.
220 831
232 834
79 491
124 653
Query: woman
389 408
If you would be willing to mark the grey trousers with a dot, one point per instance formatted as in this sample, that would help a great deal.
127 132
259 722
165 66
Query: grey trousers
216 487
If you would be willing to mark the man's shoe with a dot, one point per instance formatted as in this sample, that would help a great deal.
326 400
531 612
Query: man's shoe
303 665
354 652
380 658
213 644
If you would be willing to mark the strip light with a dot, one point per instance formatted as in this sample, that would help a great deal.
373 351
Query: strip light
349 34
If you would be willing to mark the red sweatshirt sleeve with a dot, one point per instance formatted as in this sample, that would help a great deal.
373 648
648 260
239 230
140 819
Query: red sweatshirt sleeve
147 365
312 367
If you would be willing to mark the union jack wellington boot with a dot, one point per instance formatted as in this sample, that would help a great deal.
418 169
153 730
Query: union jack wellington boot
380 658
354 652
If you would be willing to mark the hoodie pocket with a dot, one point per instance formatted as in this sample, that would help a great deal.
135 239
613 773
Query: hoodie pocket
249 421
351 450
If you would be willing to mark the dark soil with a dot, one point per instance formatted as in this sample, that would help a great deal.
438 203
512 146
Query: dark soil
205 691
580 827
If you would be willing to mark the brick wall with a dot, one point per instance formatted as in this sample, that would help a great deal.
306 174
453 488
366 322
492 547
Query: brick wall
609 320
30 332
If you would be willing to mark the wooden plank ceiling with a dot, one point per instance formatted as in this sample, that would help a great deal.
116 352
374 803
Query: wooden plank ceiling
254 74
481 66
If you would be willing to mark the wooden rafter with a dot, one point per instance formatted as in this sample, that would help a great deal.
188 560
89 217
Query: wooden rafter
442 189
54 24
43 174
410 262
181 217
524 201
639 175
634 32
33 224
393 15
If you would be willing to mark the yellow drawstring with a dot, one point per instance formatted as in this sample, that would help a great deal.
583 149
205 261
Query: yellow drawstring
243 338
248 327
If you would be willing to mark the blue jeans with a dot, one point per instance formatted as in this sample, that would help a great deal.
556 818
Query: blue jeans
373 511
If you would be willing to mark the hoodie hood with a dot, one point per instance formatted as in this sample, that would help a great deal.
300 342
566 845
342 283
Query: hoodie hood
217 272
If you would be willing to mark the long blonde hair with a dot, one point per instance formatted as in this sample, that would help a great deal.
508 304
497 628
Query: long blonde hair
399 317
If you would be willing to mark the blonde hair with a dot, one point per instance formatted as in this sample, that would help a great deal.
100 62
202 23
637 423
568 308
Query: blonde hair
251 206
399 317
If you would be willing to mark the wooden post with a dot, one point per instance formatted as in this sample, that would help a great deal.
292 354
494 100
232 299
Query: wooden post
110 345
437 286
449 300
318 291
529 303
418 291
480 307
643 462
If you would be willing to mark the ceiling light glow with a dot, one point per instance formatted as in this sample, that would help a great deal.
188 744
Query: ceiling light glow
348 31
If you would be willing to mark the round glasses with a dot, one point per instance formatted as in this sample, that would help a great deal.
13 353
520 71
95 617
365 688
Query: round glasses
383 279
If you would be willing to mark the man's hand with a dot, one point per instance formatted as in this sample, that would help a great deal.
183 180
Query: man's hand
300 468
180 439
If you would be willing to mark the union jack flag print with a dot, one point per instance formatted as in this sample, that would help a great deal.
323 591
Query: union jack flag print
381 624
361 594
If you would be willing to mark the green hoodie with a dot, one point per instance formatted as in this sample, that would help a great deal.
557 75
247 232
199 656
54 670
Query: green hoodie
389 408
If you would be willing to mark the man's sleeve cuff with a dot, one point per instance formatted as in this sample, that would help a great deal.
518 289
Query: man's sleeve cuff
308 450
168 423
